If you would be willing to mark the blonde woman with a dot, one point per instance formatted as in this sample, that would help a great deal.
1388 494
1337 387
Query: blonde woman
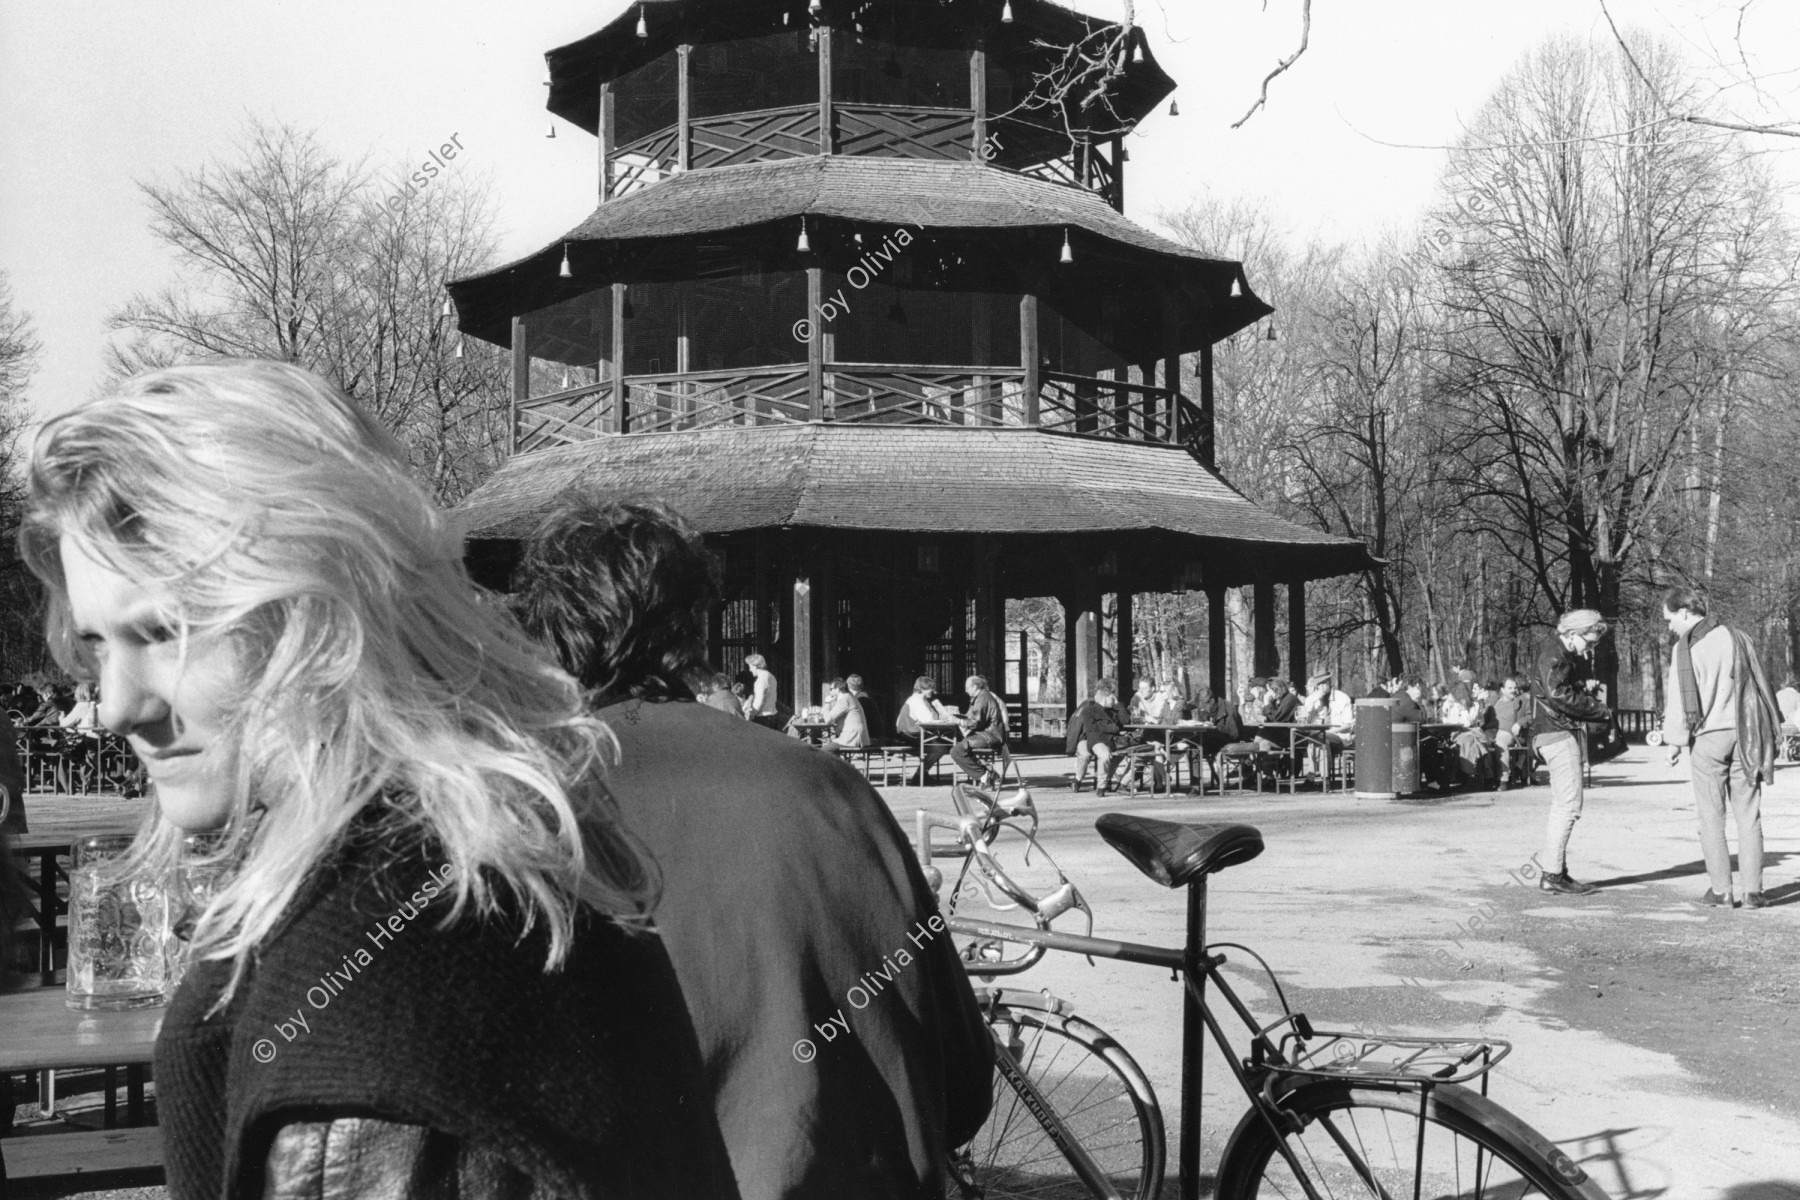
431 963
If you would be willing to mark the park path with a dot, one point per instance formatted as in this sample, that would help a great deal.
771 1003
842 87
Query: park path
1654 1041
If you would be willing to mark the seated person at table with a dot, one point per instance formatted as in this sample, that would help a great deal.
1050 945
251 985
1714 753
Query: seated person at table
921 708
720 696
1173 703
1219 729
1280 705
849 726
984 728
1146 704
872 712
1094 733
1326 705
1250 700
1409 693
51 706
1475 740
1512 724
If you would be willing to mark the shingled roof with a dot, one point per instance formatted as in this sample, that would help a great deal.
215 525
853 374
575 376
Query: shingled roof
893 191
901 478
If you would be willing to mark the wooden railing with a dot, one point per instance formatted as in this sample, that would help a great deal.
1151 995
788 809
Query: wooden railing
861 130
861 394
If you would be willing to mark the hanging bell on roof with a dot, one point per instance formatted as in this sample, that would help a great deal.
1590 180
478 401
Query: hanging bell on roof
449 310
563 270
1006 13
643 30
1174 109
804 245
550 131
1068 255
459 346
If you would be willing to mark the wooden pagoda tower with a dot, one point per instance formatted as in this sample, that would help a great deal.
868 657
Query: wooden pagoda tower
885 336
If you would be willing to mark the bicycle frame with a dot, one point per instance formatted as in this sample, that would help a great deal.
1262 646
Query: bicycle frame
1256 1074
1267 1061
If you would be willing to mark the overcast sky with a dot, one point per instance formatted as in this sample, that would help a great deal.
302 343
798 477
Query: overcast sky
97 96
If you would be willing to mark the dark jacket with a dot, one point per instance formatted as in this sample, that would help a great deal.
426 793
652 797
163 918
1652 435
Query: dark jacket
585 1082
986 716
1561 704
786 882
1220 714
1093 723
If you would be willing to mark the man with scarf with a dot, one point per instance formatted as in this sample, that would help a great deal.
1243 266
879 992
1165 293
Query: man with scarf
1720 706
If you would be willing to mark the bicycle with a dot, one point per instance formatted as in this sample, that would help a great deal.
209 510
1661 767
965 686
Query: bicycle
1331 1112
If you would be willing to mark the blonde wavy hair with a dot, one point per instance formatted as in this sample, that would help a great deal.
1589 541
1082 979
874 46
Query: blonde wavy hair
258 502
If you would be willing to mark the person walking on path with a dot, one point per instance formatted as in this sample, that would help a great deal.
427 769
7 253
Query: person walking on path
1720 706
1563 702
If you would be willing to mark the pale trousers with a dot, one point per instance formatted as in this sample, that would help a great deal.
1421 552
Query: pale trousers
1721 778
1563 757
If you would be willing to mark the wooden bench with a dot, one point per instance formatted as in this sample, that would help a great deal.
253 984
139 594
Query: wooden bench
36 1167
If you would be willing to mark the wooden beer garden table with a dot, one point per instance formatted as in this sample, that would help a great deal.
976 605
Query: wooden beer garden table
1304 734
936 733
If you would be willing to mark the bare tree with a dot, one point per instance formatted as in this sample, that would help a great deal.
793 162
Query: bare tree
287 252
21 639
1599 253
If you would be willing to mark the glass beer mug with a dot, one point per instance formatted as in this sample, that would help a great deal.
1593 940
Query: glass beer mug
118 929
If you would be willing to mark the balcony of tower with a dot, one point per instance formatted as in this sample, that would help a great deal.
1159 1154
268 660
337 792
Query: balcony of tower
881 80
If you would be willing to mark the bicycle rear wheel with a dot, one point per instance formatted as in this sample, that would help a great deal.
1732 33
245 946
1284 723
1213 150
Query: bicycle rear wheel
1095 1088
1361 1140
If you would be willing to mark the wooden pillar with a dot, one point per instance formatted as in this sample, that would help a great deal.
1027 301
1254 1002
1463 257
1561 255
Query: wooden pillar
1215 640
1126 633
1029 357
990 615
986 409
978 101
827 135
1297 634
1087 646
521 378
608 135
1171 364
1266 661
1208 452
815 345
825 607
621 420
684 145
802 637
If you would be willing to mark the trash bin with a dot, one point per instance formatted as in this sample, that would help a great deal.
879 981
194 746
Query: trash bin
1406 758
1374 750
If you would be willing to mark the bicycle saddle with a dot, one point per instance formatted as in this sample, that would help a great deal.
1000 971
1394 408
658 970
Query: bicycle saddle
1174 854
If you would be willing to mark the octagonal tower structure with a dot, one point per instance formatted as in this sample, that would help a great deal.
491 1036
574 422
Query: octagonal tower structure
884 333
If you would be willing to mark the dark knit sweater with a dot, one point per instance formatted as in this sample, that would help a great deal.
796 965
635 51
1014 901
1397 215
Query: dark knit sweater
587 1079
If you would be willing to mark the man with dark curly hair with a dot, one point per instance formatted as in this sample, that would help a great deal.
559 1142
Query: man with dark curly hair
785 878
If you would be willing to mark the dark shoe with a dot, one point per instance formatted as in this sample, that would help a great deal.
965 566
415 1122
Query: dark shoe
1755 900
1563 885
1712 899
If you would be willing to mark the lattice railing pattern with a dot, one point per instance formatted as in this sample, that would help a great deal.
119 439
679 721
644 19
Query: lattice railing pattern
644 161
863 394
709 399
575 415
1114 408
896 131
988 397
764 136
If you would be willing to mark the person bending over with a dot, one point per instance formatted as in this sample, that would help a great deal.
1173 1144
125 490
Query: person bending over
283 631
1563 701
785 880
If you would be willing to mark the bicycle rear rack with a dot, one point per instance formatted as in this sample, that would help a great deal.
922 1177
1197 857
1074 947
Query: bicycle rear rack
1375 1058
